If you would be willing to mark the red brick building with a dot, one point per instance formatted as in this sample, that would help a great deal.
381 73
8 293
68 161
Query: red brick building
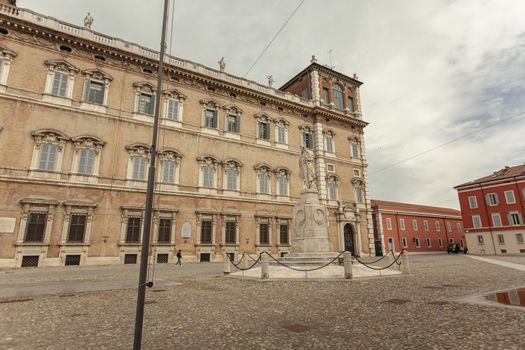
493 210
417 228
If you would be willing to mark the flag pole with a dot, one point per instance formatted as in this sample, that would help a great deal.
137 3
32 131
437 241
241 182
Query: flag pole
141 295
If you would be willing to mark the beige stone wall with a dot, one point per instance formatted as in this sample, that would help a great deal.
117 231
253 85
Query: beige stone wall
491 242
25 108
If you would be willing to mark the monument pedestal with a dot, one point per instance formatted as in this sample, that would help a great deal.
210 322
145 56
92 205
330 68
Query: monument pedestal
311 225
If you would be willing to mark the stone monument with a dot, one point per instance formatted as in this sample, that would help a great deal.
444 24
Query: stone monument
310 216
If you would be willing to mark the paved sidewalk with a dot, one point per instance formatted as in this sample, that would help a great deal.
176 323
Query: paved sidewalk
511 265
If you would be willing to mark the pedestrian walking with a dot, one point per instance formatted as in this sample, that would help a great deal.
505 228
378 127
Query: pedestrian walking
179 258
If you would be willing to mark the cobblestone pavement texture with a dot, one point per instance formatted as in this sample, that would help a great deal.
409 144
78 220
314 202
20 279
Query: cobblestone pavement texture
208 311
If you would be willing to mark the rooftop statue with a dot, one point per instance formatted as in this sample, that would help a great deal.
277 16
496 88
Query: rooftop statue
88 20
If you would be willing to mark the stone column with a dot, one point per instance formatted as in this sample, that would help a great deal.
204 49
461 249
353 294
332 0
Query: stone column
226 264
348 265
404 262
265 264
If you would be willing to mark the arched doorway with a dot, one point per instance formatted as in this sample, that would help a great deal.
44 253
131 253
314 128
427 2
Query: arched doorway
349 238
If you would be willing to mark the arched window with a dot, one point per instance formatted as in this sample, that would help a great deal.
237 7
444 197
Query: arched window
338 96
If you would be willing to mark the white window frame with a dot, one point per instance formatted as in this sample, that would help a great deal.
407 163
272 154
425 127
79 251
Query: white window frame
282 173
263 220
169 155
306 129
509 197
355 151
388 223
437 225
137 150
210 105
53 137
515 215
402 225
458 227
100 77
414 224
473 202
233 166
332 188
429 242
281 124
262 172
499 222
6 57
173 96
417 243
338 98
86 143
404 240
263 119
213 164
426 227
449 226
329 139
476 221
359 190
60 67
492 199
144 88
235 112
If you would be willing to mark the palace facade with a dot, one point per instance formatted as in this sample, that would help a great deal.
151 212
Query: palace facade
76 122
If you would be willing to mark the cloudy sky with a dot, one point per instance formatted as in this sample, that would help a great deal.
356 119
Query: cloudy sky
443 92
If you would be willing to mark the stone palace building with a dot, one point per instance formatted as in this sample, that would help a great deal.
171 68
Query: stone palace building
75 129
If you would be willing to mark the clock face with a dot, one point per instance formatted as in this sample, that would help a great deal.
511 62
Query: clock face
300 217
318 216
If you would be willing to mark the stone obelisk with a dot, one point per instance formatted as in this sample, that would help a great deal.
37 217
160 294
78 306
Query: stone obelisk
311 223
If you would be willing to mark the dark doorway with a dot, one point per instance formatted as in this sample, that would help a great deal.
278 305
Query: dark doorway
349 238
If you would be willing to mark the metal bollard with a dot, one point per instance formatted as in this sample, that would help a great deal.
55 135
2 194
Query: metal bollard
265 266
404 262
226 264
348 265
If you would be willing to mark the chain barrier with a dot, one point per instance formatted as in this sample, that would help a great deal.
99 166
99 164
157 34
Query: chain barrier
248 268
381 268
304 270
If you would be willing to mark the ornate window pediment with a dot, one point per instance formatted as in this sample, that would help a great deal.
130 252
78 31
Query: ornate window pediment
97 74
145 87
232 109
232 164
174 94
7 53
281 122
61 66
208 160
170 154
209 104
282 171
263 117
262 168
49 136
88 142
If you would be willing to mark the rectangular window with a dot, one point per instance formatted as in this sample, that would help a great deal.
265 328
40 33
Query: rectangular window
416 241
425 225
476 221
77 228
162 258
458 227
472 202
357 173
231 179
388 223
263 183
130 259
230 229
164 235
351 103
133 231
168 171
281 134
449 226
509 197
329 144
86 161
210 118
283 185
496 219
515 219
48 157
440 242
438 226
402 224
492 199
332 191
264 130
283 233
330 168
359 193
326 99
206 227
355 149
139 168
145 105
95 92
207 176
405 243
36 226
414 225
72 260
60 82
501 240
1 67
264 237
519 238
173 110
232 123
308 140
429 243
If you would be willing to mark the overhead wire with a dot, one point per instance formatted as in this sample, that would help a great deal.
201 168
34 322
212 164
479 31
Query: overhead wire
445 143
274 37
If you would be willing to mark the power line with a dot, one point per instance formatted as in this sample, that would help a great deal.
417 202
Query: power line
275 37
445 144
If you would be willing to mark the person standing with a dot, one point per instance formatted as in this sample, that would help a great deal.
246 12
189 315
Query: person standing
179 258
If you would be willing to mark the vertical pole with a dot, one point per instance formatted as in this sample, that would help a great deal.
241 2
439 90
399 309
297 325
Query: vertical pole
226 264
141 295
404 262
264 266
348 265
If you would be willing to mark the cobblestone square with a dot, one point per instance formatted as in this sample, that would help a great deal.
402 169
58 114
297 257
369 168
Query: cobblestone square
208 311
